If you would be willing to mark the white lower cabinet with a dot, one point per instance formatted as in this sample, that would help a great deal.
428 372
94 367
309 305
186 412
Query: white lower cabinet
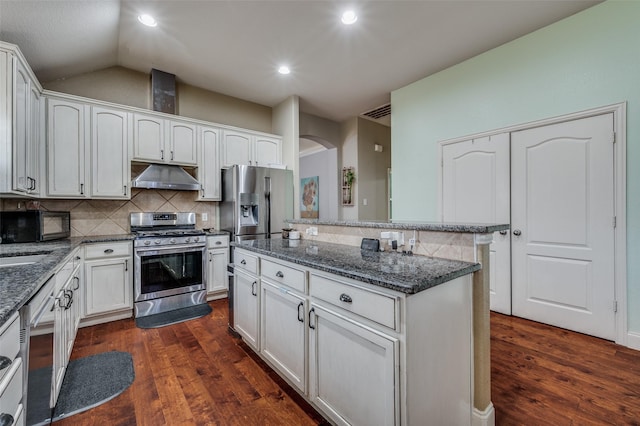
353 370
218 258
246 306
359 353
283 331
109 281
11 372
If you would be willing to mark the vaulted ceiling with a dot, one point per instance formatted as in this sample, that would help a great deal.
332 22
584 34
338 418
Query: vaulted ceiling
235 47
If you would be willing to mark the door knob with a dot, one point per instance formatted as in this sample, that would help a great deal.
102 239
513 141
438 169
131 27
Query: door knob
517 232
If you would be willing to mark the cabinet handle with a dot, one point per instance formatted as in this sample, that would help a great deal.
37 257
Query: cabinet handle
69 295
254 292
6 419
300 317
162 154
279 274
77 283
4 362
345 298
78 258
311 326
108 251
82 189
218 243
125 190
243 262
126 265
171 155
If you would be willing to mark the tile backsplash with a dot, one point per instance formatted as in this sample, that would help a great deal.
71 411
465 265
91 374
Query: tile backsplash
110 217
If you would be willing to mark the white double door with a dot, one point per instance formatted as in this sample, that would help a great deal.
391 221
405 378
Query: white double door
561 208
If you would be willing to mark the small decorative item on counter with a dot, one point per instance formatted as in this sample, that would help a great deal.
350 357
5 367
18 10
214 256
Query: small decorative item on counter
294 235
285 232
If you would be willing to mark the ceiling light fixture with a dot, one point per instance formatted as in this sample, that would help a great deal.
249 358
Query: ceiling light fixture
349 17
147 20
284 70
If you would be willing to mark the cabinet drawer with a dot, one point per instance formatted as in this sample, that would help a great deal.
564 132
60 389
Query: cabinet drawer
10 341
277 273
377 307
11 388
245 261
217 241
104 250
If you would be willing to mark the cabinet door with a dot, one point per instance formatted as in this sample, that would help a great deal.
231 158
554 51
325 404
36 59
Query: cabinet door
35 141
148 138
21 116
268 151
66 149
353 371
209 163
283 331
59 343
183 143
108 286
110 171
217 278
246 306
236 148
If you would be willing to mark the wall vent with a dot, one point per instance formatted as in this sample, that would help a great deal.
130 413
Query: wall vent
379 112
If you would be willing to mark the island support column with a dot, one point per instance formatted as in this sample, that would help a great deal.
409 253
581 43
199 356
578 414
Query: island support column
483 407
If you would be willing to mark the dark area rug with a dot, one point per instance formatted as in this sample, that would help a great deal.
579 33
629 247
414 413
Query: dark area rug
173 317
93 380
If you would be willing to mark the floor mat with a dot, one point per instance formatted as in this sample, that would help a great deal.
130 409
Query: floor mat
93 380
172 317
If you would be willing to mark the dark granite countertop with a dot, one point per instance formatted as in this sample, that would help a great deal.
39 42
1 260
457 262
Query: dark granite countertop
470 228
407 274
18 284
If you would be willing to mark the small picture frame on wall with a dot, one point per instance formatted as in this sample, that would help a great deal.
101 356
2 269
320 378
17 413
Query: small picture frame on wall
309 192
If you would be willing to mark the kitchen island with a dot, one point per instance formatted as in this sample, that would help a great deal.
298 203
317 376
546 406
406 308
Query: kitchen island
366 337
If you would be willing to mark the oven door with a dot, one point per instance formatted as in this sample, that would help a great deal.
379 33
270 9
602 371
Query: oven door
167 271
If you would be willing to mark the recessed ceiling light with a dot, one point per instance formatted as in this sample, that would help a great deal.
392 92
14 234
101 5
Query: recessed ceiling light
147 20
349 17
284 69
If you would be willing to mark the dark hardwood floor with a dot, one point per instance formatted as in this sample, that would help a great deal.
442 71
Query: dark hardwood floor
543 375
195 373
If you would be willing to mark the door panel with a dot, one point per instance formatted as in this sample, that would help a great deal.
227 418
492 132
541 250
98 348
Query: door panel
563 208
475 188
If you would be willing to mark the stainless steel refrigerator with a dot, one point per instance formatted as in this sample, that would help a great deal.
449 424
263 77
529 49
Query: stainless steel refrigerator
256 201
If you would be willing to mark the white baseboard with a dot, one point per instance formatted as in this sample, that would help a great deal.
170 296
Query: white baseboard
633 340
484 418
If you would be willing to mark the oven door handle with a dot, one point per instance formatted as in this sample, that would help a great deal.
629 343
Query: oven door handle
181 247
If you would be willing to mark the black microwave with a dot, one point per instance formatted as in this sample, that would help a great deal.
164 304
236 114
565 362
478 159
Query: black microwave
34 225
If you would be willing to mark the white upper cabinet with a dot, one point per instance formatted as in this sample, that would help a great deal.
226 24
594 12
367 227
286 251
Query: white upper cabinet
158 140
20 125
110 159
268 151
249 149
148 138
183 147
67 136
209 163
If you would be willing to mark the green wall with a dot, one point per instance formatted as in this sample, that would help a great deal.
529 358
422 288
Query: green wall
589 60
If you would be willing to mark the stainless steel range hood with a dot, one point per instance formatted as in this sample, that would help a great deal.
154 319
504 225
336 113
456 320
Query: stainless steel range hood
164 176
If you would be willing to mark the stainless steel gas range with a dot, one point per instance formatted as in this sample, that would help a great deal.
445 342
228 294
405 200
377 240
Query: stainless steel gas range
169 262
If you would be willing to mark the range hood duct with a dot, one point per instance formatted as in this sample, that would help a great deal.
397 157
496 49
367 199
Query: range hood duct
164 176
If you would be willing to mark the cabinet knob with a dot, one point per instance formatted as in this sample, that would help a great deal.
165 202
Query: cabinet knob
279 274
517 232
503 232
345 298
243 262
4 362
6 419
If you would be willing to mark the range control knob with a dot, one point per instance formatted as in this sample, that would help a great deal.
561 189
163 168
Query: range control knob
172 241
157 241
147 242
187 240
196 239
